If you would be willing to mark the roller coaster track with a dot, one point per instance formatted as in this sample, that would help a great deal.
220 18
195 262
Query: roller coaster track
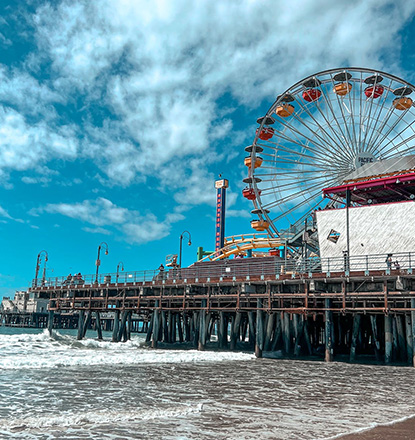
240 244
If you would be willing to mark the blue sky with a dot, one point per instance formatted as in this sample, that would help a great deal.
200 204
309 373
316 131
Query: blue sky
117 116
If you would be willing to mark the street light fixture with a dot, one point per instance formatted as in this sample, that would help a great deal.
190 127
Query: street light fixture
118 268
38 263
189 243
98 262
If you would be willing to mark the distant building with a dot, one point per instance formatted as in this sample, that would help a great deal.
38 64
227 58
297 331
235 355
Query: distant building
25 302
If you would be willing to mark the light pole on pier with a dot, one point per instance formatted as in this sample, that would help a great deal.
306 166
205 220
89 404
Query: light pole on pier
41 254
98 262
181 240
118 268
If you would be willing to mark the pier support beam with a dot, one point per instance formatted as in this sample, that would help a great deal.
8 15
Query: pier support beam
202 326
409 348
413 330
86 323
286 333
388 339
268 332
150 329
299 334
116 326
50 321
236 329
355 335
328 331
375 334
259 342
80 334
222 337
156 326
98 325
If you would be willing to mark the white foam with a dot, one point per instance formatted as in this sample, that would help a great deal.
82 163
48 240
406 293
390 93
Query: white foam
98 417
40 351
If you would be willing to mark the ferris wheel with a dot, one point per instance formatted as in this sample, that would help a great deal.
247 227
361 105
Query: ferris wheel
317 133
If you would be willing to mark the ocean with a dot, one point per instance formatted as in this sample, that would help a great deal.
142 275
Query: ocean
61 388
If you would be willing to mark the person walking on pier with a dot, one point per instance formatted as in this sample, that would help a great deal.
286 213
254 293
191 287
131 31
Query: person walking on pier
161 272
388 261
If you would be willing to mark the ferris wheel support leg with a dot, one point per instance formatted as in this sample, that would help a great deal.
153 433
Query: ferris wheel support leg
328 329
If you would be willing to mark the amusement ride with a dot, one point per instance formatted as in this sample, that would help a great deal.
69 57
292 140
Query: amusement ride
314 136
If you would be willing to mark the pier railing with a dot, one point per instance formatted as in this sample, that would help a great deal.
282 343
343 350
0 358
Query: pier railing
227 270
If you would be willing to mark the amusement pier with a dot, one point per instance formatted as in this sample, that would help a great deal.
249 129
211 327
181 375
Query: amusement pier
329 270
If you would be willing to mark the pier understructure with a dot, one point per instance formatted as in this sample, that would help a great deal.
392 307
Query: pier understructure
363 310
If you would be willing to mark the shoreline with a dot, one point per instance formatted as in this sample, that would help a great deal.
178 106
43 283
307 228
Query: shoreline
401 429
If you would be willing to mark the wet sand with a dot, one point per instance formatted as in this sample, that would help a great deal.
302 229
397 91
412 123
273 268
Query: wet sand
399 431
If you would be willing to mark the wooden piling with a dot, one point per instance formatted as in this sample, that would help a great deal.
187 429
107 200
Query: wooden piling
355 334
409 348
50 322
202 326
401 337
116 326
251 328
179 327
413 330
277 332
80 333
299 334
222 337
286 333
269 331
328 331
388 339
98 325
235 330
156 326
121 331
259 342
375 335
150 329
86 323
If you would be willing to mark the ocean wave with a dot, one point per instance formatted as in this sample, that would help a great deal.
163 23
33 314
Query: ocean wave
38 351
98 417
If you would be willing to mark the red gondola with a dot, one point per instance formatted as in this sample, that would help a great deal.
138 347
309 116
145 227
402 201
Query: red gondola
266 133
311 95
374 91
249 193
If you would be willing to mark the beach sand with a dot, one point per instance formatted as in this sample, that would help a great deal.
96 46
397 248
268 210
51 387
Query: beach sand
398 431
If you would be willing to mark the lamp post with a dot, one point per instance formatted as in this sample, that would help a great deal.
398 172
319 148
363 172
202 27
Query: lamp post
98 262
189 243
118 268
38 263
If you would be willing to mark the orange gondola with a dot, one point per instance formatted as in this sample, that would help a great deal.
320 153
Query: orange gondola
285 110
259 225
402 103
257 164
342 89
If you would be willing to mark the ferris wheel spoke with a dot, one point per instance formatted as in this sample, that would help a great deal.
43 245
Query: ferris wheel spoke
295 195
300 205
401 152
318 158
304 107
376 119
340 102
409 126
389 131
332 111
321 147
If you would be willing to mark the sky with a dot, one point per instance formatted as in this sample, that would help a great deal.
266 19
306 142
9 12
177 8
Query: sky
117 116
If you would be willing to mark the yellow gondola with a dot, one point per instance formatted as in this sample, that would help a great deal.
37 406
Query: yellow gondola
285 110
259 225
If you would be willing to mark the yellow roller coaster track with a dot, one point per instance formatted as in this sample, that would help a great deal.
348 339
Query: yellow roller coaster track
240 244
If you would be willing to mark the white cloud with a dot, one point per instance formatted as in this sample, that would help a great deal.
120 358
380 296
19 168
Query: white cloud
4 213
102 214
